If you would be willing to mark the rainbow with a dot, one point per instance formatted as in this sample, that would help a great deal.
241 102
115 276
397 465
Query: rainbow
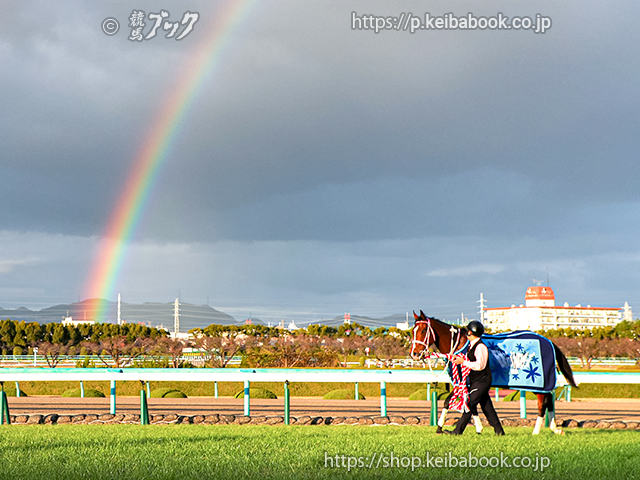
153 154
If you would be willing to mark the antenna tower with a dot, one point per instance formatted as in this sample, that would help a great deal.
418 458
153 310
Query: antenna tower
176 316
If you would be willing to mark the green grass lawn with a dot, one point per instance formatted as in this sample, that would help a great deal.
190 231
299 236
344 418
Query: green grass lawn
267 452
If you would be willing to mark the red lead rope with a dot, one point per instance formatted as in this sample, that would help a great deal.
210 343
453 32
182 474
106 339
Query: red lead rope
459 374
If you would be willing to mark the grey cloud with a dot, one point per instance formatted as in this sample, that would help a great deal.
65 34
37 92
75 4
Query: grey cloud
309 133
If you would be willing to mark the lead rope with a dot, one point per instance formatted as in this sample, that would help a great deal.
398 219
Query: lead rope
453 344
446 362
429 332
426 350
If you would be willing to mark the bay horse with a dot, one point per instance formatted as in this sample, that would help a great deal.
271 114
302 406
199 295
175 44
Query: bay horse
449 339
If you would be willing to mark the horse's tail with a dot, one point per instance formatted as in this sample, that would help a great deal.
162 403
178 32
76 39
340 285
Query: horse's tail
564 366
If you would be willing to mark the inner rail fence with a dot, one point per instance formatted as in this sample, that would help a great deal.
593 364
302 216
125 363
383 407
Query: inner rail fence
201 360
280 375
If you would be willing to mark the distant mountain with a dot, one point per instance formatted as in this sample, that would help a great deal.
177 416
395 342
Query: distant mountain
161 315
152 314
389 321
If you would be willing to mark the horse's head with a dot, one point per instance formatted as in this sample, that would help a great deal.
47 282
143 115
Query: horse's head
423 336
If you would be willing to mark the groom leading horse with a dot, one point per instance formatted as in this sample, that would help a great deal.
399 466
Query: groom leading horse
509 354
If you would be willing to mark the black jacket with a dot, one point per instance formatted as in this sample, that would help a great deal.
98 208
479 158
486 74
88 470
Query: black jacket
479 376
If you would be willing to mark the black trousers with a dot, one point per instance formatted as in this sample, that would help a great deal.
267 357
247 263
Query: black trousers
479 395
474 410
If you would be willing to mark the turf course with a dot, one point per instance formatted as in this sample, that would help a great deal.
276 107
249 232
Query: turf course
265 452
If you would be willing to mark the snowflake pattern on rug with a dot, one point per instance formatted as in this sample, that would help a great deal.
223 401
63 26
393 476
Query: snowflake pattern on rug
521 360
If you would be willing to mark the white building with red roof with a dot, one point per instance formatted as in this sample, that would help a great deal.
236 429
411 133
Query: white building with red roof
540 312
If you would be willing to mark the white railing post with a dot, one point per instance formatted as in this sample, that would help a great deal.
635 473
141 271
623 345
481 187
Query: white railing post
247 411
112 409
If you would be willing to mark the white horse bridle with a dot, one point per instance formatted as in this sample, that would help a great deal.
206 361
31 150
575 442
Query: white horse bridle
422 342
430 331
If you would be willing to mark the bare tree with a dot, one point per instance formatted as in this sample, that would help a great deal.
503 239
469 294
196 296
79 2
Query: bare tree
171 347
279 351
287 351
52 352
221 349
345 346
583 347
387 347
293 351
612 347
632 349
121 350
320 351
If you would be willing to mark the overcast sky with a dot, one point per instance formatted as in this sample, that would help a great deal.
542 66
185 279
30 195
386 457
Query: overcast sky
324 170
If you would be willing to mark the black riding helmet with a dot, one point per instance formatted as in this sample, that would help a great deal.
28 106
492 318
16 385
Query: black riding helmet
476 328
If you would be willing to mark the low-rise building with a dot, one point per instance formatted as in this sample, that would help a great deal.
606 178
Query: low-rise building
540 312
71 321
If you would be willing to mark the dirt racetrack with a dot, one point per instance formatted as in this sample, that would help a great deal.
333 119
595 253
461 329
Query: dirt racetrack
613 410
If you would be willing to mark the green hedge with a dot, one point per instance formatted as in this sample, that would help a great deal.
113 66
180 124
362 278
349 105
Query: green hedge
422 394
88 393
257 393
175 394
603 390
343 394
10 390
160 392
167 393
515 396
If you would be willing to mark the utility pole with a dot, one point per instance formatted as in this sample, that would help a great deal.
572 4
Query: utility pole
119 319
481 302
176 317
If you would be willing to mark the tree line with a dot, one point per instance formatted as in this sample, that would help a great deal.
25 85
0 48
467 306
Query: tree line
299 350
622 341
262 346
258 345
19 337
344 330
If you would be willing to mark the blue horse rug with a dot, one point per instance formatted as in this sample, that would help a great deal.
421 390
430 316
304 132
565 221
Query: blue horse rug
522 360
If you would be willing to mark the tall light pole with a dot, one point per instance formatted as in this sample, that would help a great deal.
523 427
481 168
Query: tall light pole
481 302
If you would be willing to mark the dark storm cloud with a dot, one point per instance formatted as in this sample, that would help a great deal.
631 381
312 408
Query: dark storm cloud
313 110
540 111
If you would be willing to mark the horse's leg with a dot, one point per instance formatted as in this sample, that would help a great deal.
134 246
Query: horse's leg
552 414
545 404
477 423
476 419
443 415
541 411
441 420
